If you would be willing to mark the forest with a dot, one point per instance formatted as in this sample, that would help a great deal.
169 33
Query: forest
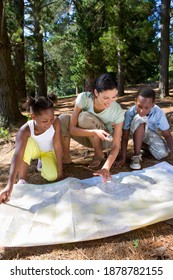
59 47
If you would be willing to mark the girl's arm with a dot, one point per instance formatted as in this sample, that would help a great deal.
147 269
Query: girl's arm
57 143
21 140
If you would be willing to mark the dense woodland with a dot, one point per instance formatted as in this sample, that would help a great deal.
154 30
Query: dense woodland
60 46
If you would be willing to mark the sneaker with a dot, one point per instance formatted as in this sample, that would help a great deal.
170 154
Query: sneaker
39 165
135 162
22 181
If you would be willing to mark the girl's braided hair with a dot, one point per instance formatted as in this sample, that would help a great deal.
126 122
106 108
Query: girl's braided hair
40 104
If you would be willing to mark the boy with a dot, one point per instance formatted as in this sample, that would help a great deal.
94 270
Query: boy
142 122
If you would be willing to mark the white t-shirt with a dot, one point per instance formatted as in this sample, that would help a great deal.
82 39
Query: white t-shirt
44 140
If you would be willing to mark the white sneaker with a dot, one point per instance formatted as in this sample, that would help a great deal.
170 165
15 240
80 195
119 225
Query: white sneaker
22 181
39 165
135 162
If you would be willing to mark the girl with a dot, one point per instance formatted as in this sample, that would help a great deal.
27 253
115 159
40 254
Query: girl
38 138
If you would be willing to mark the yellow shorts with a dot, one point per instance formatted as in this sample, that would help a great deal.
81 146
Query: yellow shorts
49 169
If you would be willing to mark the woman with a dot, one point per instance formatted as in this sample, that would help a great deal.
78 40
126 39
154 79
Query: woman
96 117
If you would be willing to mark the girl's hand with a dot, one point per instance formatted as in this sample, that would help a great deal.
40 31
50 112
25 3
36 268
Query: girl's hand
5 194
104 173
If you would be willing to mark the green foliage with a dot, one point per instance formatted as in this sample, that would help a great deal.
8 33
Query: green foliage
4 133
132 33
82 38
136 243
171 68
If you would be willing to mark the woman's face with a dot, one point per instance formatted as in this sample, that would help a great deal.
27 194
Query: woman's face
106 97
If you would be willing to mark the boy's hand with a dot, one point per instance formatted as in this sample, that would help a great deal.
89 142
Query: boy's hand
120 162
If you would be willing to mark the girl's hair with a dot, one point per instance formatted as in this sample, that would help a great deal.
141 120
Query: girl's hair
105 81
40 104
146 92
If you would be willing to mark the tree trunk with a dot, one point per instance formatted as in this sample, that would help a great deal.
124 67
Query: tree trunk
120 55
9 111
39 57
20 52
120 76
164 49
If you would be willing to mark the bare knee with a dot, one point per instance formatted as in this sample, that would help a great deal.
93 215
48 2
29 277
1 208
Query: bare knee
84 119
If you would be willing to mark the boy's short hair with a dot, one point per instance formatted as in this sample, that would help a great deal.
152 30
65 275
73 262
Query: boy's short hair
146 92
105 81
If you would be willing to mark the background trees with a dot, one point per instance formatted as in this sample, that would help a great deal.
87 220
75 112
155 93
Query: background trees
9 111
61 46
164 48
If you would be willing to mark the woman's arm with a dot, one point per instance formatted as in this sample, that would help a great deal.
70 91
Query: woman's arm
105 171
77 131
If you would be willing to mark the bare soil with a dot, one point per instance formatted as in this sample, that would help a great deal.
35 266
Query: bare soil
154 242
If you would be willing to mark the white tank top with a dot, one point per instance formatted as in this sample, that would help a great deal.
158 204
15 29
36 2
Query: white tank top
44 140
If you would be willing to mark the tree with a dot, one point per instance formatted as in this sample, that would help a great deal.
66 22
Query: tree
42 19
90 21
35 9
164 49
19 50
129 43
15 27
9 111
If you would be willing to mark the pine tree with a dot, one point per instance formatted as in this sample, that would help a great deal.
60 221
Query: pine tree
164 49
9 111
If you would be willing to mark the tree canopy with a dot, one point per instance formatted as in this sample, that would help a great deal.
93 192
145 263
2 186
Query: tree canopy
60 46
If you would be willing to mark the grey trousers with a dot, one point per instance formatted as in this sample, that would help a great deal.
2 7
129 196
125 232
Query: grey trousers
86 120
156 144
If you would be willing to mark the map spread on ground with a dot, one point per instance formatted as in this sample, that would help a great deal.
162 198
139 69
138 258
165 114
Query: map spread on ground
78 210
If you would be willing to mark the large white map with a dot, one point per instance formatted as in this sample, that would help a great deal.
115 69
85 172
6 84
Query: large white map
76 210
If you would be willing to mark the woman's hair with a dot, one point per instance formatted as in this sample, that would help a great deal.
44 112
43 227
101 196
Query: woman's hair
40 104
146 92
105 81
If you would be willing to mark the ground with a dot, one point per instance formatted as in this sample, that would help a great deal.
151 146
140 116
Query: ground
154 242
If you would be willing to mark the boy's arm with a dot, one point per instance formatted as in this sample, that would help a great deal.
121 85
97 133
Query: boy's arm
124 143
169 140
57 144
